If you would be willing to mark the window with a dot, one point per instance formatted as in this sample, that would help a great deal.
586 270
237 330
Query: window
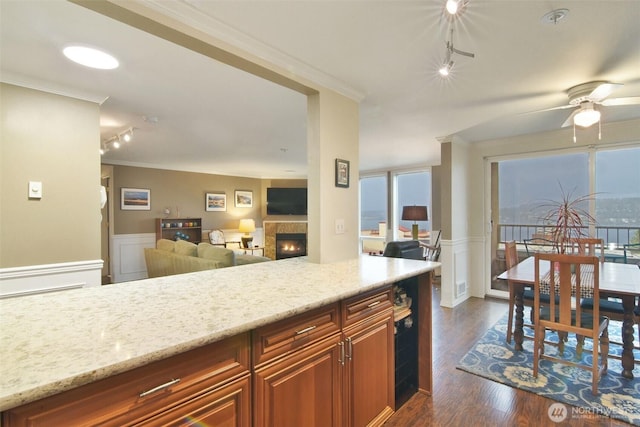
617 188
611 175
413 188
373 212
406 188
526 184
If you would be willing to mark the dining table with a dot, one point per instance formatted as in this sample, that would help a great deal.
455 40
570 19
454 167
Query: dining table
616 280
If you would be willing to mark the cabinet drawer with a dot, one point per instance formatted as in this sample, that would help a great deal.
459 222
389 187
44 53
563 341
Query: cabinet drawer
360 307
133 396
282 337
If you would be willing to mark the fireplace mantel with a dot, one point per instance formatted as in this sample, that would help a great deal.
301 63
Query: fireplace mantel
273 227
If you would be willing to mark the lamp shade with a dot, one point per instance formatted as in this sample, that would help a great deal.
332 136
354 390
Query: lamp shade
415 213
247 226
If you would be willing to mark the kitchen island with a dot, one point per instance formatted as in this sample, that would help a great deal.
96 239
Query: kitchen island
52 343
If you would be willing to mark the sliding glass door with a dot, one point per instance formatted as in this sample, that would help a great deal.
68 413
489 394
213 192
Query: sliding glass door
526 186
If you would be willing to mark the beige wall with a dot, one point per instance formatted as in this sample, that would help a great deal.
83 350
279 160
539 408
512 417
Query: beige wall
55 140
333 132
185 192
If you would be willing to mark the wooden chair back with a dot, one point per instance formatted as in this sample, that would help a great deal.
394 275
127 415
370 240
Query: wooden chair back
539 244
572 277
590 246
510 254
630 250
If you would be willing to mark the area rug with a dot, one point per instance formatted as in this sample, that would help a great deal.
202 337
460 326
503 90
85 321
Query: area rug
492 358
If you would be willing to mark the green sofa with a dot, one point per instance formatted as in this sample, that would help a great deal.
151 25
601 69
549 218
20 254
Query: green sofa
169 258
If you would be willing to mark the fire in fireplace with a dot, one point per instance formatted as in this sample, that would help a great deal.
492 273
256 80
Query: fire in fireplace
289 245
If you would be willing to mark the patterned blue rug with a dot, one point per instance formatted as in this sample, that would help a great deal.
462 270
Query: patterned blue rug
491 357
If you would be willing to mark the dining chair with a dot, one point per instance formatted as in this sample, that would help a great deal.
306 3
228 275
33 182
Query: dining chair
538 244
570 277
511 260
511 254
590 246
629 250
610 307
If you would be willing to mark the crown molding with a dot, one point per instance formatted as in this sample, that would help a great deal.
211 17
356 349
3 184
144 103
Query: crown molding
50 87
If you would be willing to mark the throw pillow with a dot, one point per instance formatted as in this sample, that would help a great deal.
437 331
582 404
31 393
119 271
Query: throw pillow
166 245
225 256
186 248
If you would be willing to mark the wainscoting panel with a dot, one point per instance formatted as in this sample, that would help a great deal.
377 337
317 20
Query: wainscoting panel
35 279
454 272
128 256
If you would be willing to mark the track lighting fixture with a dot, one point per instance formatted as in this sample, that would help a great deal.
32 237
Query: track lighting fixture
446 69
448 62
454 7
116 140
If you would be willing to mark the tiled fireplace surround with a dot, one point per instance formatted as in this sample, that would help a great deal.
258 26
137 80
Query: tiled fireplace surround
271 228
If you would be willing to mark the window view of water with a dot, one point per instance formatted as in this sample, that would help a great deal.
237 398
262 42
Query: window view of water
411 189
527 185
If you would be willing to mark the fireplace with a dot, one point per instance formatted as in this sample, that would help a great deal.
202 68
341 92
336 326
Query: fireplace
289 245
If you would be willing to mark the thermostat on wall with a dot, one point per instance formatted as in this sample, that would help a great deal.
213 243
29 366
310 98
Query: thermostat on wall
35 189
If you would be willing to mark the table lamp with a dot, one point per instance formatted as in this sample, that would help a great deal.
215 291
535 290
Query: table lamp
415 213
247 226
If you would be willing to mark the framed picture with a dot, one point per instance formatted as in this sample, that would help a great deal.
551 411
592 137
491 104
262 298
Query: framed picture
342 173
244 199
215 202
135 199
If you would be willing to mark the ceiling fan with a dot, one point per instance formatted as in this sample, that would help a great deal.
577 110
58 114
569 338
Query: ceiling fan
584 98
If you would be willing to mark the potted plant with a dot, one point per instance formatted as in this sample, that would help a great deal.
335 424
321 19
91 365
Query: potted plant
568 219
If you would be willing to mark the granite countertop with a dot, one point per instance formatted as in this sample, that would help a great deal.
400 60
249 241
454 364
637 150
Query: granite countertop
54 342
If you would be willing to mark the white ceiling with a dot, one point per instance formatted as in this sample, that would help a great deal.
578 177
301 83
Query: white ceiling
215 119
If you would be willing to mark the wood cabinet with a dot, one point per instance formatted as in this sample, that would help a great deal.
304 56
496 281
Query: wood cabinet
210 383
369 398
174 228
329 367
301 389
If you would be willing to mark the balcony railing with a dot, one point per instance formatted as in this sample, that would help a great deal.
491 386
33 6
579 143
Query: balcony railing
611 235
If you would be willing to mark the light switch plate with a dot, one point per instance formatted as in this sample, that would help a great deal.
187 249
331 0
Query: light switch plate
35 189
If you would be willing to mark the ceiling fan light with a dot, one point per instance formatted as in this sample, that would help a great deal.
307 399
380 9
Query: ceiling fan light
586 117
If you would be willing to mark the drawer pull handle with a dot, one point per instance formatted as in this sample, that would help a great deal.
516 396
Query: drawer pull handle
341 358
160 387
305 330
373 304
349 351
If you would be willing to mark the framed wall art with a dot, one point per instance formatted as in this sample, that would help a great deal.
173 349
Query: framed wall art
135 199
342 173
244 199
216 202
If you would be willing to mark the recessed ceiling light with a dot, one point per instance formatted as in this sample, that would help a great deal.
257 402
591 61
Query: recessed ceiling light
90 57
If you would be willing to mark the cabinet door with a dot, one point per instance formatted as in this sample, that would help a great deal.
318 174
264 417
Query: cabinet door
228 406
369 371
301 389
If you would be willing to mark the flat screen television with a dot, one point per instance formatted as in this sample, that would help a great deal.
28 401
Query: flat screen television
286 201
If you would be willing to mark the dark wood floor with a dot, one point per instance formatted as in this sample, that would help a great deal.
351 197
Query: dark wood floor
463 399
